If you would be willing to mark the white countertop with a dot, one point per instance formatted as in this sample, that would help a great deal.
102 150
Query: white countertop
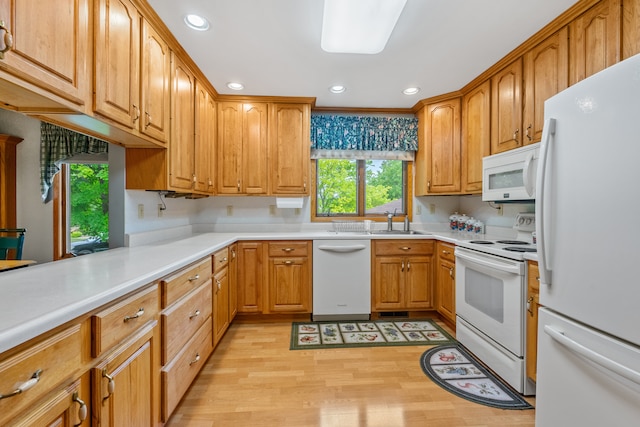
39 298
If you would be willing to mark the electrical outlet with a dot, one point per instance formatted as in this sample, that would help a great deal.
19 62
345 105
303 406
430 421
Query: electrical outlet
160 210
418 210
272 210
140 211
230 210
499 208
432 208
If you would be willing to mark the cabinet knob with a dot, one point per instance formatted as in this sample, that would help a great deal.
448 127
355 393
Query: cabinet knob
8 40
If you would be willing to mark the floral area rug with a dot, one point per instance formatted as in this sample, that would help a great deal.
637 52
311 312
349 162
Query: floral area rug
312 335
457 371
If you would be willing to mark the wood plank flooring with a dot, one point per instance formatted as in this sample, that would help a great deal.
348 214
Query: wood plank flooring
253 379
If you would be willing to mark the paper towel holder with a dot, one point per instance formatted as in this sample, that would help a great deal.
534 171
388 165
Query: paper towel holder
289 202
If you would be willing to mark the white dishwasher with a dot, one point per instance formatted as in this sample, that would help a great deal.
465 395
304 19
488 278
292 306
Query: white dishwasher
341 279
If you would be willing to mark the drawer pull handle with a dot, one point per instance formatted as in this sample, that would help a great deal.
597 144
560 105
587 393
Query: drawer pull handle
446 252
233 254
139 313
408 265
196 360
288 262
288 249
8 40
194 278
451 273
405 248
82 411
21 388
529 306
224 259
195 314
148 122
111 385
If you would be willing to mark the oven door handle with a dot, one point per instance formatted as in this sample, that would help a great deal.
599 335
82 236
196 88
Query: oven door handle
515 269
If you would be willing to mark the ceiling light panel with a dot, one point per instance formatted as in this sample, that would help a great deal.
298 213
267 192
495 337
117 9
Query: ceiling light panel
196 22
359 26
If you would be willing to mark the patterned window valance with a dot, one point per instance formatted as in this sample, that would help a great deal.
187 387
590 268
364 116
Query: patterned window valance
58 144
364 133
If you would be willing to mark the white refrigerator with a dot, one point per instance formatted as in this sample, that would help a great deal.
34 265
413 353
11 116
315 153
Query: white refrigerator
588 229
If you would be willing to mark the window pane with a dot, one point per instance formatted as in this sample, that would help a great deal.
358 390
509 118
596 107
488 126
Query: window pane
88 208
337 187
384 186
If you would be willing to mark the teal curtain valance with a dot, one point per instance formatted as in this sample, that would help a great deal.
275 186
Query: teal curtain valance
58 144
365 133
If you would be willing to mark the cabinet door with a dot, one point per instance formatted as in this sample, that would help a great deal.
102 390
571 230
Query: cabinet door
229 143
289 285
51 45
476 136
506 108
126 384
546 72
251 274
181 155
254 149
418 279
220 303
595 40
440 154
388 283
117 58
233 281
289 142
154 84
533 298
446 284
204 140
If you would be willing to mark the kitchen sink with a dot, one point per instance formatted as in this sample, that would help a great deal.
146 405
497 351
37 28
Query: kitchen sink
399 232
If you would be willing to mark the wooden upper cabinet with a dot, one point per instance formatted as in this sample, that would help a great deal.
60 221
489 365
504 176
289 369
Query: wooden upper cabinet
8 168
546 72
117 62
289 145
132 71
595 40
242 148
155 79
181 153
51 49
205 127
506 108
476 134
438 156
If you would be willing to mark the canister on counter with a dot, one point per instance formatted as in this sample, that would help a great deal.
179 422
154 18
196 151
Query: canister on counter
453 221
462 222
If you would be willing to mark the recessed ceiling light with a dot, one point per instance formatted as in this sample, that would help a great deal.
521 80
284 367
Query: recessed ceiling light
337 89
196 22
235 86
411 90
359 26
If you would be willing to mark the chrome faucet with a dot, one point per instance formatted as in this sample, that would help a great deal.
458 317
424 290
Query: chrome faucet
390 219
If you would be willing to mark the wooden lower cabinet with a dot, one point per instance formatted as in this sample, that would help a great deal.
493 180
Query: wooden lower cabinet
402 276
233 281
289 277
221 293
251 276
533 305
446 282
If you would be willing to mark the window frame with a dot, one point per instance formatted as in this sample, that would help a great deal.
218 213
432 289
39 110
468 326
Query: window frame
408 185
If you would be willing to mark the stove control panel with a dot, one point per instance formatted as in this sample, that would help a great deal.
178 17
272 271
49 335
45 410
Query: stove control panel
525 222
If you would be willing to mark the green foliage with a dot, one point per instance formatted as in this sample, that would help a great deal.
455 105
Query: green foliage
90 199
389 176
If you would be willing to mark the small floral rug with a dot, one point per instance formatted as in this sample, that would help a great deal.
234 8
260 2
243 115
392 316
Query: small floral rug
457 371
311 335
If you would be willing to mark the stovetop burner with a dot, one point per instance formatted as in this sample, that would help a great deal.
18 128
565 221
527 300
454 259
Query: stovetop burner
519 249
481 242
512 242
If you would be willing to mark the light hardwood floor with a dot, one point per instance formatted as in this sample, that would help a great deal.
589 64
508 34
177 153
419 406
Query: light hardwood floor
253 379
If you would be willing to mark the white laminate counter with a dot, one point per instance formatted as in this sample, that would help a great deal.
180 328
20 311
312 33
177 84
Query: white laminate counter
36 299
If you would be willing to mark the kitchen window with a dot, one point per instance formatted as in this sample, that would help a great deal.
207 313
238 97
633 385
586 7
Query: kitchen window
356 188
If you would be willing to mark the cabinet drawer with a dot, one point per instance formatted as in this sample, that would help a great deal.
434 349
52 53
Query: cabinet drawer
220 259
185 280
178 375
288 249
446 252
403 247
183 318
112 325
55 360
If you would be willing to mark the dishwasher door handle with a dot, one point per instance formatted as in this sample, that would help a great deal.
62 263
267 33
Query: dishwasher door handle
342 249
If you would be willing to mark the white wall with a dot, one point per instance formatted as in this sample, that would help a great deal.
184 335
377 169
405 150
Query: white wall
32 213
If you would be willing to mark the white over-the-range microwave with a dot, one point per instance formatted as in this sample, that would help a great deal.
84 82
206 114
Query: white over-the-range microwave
511 176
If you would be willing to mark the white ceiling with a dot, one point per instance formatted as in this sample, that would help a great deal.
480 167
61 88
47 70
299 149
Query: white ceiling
273 47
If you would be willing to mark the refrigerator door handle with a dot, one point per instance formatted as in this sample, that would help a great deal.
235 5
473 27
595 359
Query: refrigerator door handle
592 356
542 223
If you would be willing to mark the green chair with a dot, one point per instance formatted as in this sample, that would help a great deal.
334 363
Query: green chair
11 242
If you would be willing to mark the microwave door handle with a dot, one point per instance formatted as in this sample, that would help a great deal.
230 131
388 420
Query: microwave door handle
526 175
542 219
